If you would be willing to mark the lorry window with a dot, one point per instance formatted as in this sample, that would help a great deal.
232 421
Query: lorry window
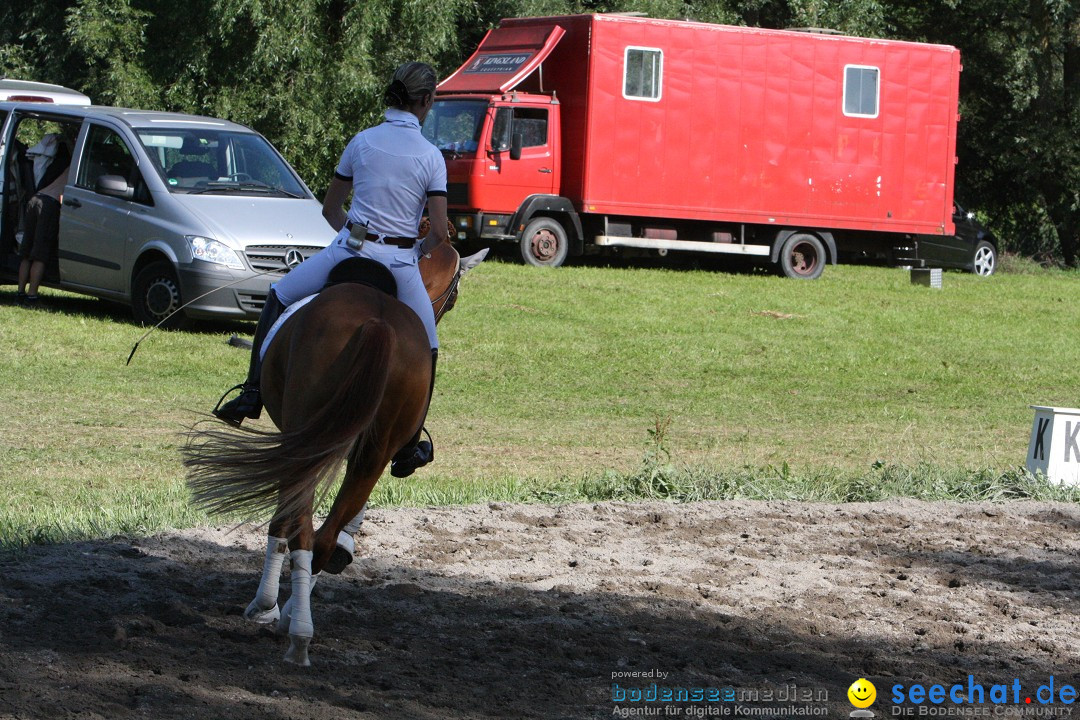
500 130
530 123
861 91
106 153
455 125
643 70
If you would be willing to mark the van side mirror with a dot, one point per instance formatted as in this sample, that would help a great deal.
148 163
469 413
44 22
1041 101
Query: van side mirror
114 186
515 146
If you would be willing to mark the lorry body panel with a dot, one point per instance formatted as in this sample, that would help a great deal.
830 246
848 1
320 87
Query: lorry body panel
674 120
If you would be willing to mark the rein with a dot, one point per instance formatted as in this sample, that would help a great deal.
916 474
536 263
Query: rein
445 298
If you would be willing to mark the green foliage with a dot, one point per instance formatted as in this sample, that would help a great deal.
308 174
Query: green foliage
108 36
1020 103
310 73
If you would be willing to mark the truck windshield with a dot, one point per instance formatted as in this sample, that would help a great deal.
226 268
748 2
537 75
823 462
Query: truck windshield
454 125
211 161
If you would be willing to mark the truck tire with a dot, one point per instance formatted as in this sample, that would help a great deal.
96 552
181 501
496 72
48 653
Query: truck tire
155 294
984 261
544 243
802 257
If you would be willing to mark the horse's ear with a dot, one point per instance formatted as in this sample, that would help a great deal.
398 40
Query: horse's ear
468 263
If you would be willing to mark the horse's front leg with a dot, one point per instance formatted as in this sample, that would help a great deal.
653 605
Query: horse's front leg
334 544
345 545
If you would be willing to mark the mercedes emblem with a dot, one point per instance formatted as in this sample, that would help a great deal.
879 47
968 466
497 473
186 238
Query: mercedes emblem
293 257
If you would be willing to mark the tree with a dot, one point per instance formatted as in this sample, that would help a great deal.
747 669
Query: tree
310 73
1020 106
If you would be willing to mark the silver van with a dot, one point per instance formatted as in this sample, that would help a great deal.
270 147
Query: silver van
160 209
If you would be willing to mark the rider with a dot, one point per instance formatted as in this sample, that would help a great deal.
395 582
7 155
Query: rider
393 172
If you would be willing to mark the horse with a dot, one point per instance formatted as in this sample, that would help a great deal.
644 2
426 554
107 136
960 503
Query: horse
345 379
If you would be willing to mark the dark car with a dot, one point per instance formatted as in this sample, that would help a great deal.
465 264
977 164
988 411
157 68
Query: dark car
972 248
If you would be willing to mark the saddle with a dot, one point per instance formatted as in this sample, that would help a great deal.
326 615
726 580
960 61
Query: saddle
364 271
354 270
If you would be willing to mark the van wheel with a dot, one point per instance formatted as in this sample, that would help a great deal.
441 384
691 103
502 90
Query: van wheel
155 295
544 243
802 257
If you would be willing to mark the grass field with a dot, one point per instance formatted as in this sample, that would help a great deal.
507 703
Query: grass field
586 381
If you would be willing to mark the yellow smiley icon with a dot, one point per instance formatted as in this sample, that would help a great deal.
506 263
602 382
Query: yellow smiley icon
862 693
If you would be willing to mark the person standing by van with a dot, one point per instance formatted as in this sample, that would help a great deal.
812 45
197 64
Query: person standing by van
41 225
393 172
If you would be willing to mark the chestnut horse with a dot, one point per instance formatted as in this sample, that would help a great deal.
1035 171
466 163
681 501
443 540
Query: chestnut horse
345 378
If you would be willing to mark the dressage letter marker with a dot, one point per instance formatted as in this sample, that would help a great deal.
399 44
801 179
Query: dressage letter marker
1054 449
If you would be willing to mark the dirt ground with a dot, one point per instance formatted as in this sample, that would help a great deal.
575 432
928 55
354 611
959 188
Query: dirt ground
532 611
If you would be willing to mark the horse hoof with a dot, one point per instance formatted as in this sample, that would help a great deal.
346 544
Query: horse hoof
298 650
263 616
342 554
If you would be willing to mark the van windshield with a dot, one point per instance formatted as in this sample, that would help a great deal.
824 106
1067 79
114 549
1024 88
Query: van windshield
212 161
455 125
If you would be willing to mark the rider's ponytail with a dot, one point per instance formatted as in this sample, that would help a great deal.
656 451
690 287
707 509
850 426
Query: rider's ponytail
411 82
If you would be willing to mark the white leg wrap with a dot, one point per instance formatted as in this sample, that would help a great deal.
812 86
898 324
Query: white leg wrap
346 542
300 622
300 626
287 609
353 525
263 609
286 616
345 539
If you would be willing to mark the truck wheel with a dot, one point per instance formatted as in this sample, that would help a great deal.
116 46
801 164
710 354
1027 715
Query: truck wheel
155 295
544 243
984 261
802 257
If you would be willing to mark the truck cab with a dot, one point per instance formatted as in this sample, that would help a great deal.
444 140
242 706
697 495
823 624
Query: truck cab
499 149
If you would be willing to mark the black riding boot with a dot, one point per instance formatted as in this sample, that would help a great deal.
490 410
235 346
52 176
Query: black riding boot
249 403
417 453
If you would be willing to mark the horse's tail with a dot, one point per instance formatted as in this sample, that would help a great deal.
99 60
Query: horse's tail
254 471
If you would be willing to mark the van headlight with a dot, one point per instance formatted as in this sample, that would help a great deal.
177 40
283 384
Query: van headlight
214 251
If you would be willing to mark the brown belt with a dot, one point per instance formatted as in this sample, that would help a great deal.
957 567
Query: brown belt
401 242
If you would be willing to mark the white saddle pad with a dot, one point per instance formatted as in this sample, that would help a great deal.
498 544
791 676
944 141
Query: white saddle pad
280 321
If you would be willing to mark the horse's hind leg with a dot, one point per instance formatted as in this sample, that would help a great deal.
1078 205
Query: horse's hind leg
301 626
297 612
264 608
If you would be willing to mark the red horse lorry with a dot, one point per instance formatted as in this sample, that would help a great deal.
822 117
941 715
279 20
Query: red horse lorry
564 134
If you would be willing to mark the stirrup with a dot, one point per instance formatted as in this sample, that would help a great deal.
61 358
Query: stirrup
236 411
423 452
222 398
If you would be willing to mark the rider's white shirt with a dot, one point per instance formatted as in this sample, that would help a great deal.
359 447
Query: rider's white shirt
393 170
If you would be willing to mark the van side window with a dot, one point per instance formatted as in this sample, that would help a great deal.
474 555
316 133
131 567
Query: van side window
861 91
643 72
530 123
106 153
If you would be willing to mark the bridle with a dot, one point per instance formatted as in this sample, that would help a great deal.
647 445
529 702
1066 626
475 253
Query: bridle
447 298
